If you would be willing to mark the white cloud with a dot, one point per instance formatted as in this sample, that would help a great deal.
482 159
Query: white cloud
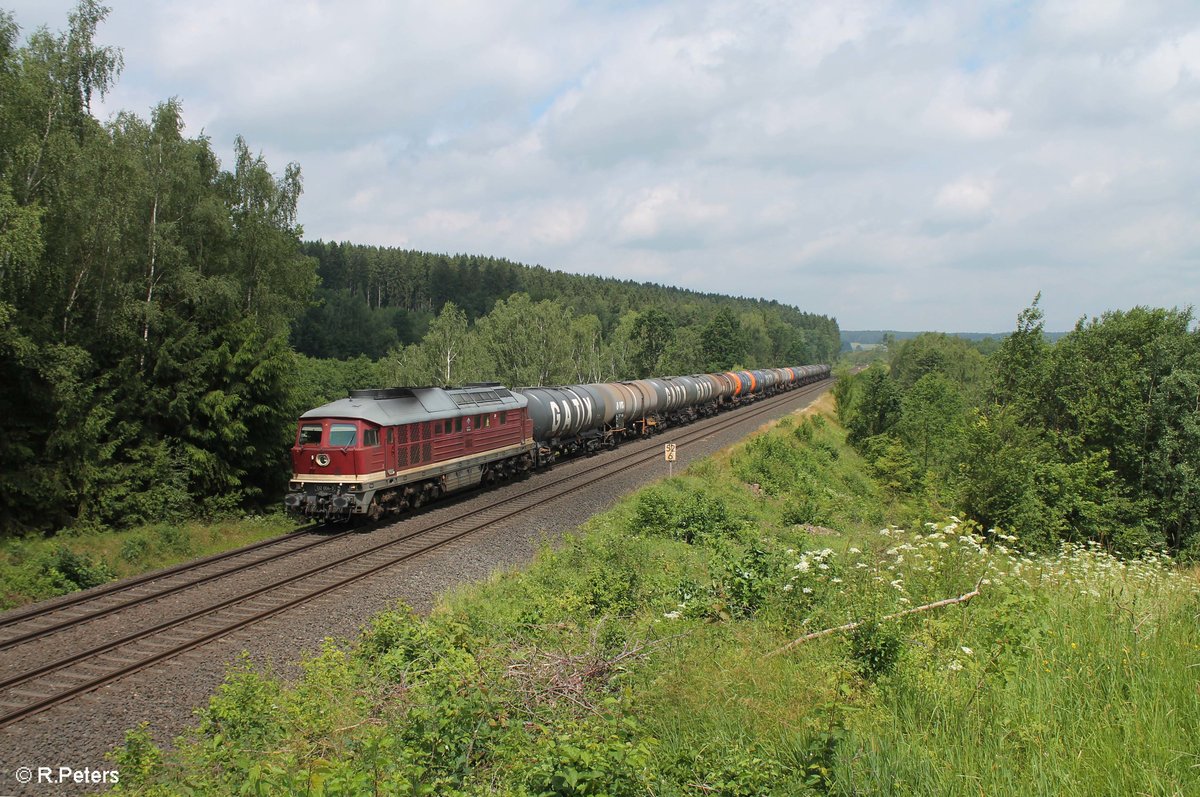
968 197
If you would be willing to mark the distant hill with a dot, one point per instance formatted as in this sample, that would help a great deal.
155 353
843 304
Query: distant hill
866 338
373 299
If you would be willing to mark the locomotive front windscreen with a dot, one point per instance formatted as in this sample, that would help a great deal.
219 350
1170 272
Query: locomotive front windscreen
341 435
310 434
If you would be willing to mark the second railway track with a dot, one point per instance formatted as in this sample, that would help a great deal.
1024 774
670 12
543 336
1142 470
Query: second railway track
34 689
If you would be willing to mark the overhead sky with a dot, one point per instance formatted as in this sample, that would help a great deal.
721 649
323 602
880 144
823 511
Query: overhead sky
899 165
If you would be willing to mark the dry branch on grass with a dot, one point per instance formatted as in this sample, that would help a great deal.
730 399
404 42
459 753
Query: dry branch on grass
545 677
851 626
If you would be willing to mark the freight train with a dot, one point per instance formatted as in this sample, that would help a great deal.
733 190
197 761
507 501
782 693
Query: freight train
388 450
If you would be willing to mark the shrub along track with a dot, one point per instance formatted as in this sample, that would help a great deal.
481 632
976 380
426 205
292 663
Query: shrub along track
31 690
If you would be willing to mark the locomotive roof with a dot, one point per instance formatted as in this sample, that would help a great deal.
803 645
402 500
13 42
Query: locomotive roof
398 405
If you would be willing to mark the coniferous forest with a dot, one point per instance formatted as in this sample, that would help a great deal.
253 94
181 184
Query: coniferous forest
162 321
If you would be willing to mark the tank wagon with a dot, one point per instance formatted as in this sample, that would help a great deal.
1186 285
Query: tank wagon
393 449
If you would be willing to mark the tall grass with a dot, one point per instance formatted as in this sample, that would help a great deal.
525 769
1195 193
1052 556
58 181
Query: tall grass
1094 693
35 568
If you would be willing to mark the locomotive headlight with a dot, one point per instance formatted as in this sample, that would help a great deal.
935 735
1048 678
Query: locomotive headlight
322 459
295 486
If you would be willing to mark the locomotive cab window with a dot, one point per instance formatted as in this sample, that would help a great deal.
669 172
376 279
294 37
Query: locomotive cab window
370 437
458 424
504 416
341 435
310 434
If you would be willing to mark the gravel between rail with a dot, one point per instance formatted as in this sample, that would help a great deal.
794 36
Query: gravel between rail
78 733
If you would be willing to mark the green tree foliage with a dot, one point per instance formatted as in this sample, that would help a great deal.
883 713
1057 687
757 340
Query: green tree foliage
652 333
1094 437
1020 364
952 357
932 416
722 341
147 297
875 407
338 325
527 342
1124 387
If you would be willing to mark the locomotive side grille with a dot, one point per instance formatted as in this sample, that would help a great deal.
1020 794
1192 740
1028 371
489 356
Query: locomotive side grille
402 458
402 437
427 451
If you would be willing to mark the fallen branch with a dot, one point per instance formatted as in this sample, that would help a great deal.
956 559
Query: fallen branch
547 677
851 626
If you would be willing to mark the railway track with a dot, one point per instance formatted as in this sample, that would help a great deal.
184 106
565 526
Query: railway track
61 615
36 689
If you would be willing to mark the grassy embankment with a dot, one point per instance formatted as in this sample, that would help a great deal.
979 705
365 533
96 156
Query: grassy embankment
36 568
641 657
